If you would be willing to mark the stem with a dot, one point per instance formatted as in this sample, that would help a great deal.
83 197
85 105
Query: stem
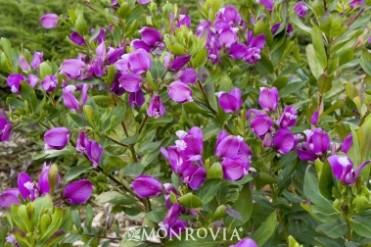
368 112
102 237
146 203
143 124
117 142
205 96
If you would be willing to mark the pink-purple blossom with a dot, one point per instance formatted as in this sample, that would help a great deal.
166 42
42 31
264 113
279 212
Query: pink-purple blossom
146 186
78 192
49 20
56 138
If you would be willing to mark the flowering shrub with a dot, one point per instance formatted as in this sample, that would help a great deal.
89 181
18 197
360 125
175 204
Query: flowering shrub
249 127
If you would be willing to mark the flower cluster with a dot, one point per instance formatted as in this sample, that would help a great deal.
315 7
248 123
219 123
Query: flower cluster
223 35
77 192
58 138
185 157
276 134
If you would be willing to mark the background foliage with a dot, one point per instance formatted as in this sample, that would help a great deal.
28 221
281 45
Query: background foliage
324 65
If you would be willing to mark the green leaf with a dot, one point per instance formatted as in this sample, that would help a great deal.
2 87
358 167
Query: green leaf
190 201
361 225
312 192
291 88
266 229
325 181
215 171
314 63
324 83
45 69
293 242
366 60
29 95
209 190
244 204
335 229
319 46
115 198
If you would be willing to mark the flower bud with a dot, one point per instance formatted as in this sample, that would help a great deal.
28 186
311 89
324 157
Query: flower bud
49 20
146 186
78 192
56 138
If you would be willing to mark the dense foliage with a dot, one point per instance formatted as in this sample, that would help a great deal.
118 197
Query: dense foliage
247 120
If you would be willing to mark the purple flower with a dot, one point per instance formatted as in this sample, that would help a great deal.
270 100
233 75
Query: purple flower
136 99
78 192
43 185
284 141
94 152
178 62
194 175
11 240
23 64
114 54
5 127
268 98
14 82
203 28
230 102
100 36
180 92
27 187
314 119
49 20
139 61
193 141
116 87
56 138
250 52
122 64
70 100
185 157
188 75
353 4
342 168
268 4
150 39
130 82
277 26
229 15
101 50
261 124
77 38
146 186
235 155
317 143
143 1
82 142
184 20
227 37
171 217
246 242
156 107
33 80
49 84
288 117
97 66
37 59
9 197
301 9
73 68
347 143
